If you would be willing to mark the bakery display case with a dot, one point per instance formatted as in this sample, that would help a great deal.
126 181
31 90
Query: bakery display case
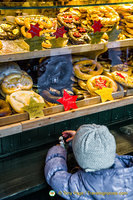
62 64
63 59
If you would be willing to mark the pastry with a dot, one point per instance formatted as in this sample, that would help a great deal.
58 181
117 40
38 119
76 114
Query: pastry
19 99
16 81
123 78
98 82
87 68
9 30
4 108
68 20
78 35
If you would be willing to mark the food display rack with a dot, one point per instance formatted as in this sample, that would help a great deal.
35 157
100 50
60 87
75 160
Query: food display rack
19 134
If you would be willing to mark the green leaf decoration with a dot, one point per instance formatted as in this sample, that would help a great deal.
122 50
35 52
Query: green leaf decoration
96 37
113 34
35 43
58 42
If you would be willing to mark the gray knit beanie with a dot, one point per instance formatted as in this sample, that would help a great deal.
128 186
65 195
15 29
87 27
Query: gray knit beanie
94 147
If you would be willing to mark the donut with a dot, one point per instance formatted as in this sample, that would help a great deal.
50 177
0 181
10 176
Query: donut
87 68
19 99
98 82
4 108
16 81
123 78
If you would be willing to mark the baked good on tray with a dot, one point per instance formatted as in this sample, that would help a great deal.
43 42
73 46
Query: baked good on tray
9 31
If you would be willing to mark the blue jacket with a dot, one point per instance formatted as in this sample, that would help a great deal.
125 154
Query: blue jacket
115 183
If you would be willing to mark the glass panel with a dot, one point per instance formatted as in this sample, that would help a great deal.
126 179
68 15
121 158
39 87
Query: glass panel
8 4
76 50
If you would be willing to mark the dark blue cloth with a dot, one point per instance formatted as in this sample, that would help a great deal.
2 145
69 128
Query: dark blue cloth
115 183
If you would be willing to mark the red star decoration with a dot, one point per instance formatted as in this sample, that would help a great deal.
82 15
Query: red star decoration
97 26
68 101
120 75
59 32
34 30
100 83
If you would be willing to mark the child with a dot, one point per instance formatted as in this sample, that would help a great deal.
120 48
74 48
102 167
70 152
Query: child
103 175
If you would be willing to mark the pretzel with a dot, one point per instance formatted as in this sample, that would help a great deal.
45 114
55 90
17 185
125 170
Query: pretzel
82 84
25 33
44 22
98 82
87 68
106 15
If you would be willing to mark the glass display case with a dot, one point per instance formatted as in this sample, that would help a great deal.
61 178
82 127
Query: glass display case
63 59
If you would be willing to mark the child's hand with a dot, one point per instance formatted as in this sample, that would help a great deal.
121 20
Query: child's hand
69 134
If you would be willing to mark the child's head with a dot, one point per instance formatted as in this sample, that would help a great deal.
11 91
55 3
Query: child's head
94 147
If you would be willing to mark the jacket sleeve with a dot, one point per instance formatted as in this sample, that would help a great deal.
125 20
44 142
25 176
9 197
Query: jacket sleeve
56 171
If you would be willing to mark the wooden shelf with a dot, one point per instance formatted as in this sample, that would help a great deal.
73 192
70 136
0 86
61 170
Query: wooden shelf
65 50
62 116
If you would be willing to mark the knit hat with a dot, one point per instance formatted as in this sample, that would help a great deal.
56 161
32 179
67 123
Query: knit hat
94 147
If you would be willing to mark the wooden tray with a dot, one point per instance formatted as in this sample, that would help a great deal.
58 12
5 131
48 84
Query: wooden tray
15 118
128 92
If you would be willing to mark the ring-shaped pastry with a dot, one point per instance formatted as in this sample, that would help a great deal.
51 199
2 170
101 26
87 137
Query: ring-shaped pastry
82 84
78 36
15 82
20 20
44 22
87 68
106 14
68 20
123 78
100 81
122 68
25 33
4 108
